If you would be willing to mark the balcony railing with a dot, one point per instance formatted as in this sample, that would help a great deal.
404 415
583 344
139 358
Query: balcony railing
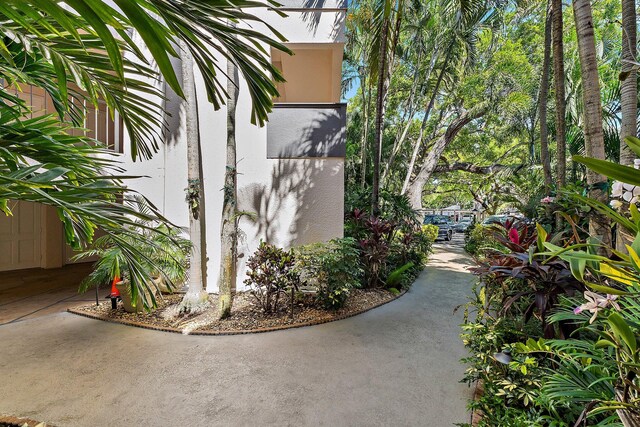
306 130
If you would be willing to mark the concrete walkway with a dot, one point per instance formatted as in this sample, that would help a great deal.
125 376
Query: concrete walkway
32 293
397 365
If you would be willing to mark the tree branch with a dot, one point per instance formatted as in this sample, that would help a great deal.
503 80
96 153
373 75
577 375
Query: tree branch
471 168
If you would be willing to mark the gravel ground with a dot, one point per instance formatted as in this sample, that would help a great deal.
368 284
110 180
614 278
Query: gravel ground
246 314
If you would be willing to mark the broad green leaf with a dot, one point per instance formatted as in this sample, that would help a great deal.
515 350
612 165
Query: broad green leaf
577 266
609 212
156 42
605 343
61 72
542 236
4 207
636 244
635 214
615 171
98 25
634 144
622 330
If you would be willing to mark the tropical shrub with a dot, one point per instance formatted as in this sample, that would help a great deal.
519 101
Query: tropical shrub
539 279
430 232
374 236
164 253
511 381
478 241
271 274
333 268
592 375
389 241
411 248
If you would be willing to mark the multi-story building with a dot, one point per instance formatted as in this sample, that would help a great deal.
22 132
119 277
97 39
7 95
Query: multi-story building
290 172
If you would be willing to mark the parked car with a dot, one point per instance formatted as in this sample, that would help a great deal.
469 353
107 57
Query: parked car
495 219
445 225
462 226
502 219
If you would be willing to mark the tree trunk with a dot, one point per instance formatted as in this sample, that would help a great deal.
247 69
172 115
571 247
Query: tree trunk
629 81
428 166
628 95
561 103
561 107
365 130
229 224
404 130
196 297
423 127
542 105
599 225
380 105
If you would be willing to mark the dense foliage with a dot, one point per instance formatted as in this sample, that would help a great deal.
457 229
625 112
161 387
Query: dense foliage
385 251
271 275
570 354
333 268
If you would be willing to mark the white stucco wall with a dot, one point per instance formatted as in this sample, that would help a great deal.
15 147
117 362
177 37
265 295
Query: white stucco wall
297 201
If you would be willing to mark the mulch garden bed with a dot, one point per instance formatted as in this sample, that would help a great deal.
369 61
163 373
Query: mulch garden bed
246 316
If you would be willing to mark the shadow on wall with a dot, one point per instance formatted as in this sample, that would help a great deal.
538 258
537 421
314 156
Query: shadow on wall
324 137
312 17
173 109
302 202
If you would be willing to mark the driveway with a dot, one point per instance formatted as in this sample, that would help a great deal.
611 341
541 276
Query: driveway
397 365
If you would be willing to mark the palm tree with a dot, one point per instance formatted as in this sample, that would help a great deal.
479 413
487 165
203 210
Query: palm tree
561 103
89 52
196 297
383 15
629 79
599 225
229 227
558 79
542 104
628 95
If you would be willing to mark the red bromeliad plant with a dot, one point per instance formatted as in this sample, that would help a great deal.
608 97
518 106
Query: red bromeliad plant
375 248
374 236
527 277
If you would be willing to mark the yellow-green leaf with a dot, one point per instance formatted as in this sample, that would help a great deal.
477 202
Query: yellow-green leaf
605 289
617 274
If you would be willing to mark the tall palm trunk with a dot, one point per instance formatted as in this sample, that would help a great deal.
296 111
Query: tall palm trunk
561 103
542 105
388 43
629 81
229 226
380 106
366 95
599 225
196 296
628 96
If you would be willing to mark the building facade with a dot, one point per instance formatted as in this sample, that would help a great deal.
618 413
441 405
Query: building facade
290 172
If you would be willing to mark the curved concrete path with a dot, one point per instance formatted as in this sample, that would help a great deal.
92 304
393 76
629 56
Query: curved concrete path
397 365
